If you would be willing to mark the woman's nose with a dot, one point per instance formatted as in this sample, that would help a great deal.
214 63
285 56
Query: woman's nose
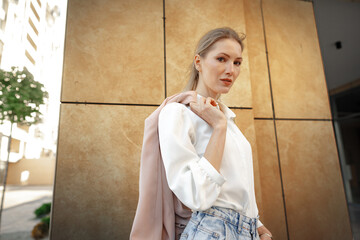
229 69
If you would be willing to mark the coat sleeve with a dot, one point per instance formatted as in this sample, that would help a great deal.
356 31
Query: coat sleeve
194 181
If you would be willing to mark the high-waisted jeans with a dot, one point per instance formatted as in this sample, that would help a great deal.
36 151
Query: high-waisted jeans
220 223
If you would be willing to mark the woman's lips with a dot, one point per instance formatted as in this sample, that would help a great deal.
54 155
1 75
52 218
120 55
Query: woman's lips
226 81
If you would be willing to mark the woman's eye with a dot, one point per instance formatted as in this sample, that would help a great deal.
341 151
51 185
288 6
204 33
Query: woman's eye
221 59
237 63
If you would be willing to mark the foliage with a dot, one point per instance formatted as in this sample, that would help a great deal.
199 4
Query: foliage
43 210
46 220
20 97
41 229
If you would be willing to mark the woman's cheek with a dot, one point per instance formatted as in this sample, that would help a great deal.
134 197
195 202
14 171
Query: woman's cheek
237 73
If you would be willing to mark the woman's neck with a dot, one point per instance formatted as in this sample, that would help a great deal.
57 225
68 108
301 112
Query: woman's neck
205 92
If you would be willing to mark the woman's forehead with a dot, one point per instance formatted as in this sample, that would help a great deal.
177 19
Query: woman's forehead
228 46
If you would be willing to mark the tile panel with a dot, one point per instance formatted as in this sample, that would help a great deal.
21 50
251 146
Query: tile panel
113 54
272 213
97 171
314 193
261 96
296 68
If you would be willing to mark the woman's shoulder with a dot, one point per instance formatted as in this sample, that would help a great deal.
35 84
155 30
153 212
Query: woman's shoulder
176 110
175 107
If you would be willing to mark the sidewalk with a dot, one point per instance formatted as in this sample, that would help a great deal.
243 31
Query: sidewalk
18 218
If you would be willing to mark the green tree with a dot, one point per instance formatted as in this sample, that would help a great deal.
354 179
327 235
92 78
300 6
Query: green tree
20 97
20 100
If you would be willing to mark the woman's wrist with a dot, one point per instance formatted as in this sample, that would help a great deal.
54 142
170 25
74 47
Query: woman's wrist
221 126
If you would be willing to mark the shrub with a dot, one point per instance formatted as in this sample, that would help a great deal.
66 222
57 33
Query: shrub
43 210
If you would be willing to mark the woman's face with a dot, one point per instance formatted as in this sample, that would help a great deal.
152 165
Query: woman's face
219 69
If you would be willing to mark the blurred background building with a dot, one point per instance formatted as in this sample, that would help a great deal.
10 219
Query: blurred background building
31 36
338 25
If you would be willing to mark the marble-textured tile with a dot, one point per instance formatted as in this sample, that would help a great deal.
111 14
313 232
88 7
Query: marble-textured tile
272 213
245 122
297 74
114 52
259 76
314 194
96 185
186 22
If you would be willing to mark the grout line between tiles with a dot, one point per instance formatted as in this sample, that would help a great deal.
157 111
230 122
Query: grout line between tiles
118 104
164 18
295 119
274 117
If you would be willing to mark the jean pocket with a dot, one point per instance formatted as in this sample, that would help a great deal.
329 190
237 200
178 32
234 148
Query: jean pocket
205 234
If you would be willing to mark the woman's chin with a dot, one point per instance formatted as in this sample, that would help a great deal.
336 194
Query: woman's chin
224 90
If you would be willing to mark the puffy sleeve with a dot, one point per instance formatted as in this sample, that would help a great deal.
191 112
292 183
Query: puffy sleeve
194 181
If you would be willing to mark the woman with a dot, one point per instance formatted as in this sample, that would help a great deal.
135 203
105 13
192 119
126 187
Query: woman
207 160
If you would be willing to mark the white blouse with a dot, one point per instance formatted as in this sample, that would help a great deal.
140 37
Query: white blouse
197 184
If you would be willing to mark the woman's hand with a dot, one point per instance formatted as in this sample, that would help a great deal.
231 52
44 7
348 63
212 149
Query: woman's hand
264 233
207 110
265 237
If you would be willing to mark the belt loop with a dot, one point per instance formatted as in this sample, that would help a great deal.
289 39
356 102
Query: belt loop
252 225
239 225
255 227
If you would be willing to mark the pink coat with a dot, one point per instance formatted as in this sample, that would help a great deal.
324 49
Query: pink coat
158 210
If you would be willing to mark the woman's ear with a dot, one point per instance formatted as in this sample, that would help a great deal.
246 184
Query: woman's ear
197 62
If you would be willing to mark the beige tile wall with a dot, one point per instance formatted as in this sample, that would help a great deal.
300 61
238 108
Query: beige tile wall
310 193
313 187
97 171
260 88
297 75
113 54
272 213
114 58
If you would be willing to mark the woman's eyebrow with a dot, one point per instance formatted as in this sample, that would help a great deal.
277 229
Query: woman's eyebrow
229 55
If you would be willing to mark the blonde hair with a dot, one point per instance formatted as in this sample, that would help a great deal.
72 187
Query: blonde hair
204 46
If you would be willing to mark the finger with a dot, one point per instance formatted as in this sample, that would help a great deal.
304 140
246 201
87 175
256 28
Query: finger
202 101
194 106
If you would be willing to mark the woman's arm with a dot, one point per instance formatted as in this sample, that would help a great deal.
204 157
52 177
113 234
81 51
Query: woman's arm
193 179
206 109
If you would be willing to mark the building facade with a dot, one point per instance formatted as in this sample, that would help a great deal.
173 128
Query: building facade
31 36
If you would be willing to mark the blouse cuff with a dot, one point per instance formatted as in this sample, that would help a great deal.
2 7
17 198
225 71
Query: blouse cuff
259 224
211 171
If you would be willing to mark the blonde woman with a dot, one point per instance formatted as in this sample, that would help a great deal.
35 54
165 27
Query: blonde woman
207 160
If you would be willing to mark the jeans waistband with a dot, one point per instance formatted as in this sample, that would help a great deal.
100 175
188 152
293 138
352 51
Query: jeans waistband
235 218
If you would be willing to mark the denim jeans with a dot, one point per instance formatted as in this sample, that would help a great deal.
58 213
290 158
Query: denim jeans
220 223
